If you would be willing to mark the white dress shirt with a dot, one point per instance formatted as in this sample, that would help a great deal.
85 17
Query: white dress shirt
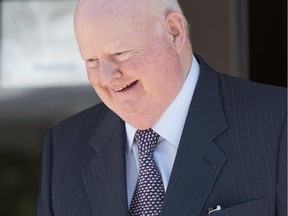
169 127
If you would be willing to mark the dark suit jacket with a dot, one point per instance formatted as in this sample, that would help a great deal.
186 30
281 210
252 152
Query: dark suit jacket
232 153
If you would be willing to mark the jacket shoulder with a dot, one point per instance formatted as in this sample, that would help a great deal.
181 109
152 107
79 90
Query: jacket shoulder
85 121
253 102
264 93
236 90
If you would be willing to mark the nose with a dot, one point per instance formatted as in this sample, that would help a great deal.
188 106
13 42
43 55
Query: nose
109 71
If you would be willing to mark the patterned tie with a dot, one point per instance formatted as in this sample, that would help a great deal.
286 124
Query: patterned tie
149 191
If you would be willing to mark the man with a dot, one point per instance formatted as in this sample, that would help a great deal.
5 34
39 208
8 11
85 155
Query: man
220 141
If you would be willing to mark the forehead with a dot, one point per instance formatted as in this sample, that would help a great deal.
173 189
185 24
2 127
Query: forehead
113 9
110 21
101 14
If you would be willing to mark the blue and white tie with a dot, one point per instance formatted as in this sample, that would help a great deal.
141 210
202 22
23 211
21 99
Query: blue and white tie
149 191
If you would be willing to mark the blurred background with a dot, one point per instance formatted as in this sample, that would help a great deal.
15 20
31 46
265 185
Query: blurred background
43 80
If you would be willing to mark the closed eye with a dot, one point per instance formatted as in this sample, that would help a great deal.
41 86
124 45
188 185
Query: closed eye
120 53
122 56
92 63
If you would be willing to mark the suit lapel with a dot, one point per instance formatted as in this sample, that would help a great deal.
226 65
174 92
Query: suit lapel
199 160
105 176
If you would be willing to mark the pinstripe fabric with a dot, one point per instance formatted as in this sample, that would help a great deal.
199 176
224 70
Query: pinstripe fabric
75 161
256 115
232 153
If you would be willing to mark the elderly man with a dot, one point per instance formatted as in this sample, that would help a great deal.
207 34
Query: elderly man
172 136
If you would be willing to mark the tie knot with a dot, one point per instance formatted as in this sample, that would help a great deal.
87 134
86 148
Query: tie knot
146 141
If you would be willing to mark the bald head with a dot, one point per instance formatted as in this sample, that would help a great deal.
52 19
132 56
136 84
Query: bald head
101 7
152 8
110 11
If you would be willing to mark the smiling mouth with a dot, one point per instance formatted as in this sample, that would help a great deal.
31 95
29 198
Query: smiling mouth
127 87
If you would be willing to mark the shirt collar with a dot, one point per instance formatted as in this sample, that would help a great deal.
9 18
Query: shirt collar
171 123
130 133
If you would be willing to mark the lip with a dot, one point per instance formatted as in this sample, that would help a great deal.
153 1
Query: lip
127 87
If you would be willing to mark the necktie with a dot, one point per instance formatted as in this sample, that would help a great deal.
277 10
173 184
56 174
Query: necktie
149 191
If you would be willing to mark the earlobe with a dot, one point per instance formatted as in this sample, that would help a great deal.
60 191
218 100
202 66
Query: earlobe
176 29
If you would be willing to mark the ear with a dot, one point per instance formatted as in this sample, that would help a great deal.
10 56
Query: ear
177 30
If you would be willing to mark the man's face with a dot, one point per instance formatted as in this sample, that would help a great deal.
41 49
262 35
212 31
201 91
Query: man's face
135 71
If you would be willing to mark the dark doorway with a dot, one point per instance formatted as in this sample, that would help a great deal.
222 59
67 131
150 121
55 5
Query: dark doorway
268 41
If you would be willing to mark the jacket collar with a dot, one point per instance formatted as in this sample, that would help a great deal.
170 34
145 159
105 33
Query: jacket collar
105 176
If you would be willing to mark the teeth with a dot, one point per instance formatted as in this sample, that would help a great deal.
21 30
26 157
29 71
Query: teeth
121 89
125 87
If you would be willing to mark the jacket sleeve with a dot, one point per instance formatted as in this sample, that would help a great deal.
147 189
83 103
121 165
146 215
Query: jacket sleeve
45 201
282 175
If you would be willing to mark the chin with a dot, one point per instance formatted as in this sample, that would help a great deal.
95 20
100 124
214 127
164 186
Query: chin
140 122
141 119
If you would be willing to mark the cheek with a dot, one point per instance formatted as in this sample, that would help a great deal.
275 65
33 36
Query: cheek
166 77
133 67
94 79
93 75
